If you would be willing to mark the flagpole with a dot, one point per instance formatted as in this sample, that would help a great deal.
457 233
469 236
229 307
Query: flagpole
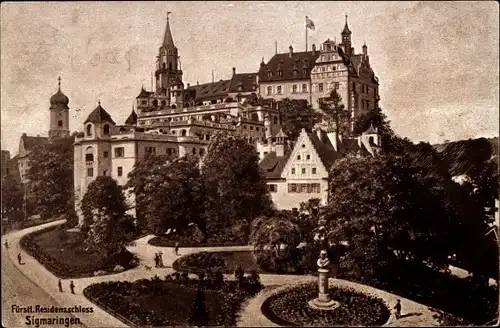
306 33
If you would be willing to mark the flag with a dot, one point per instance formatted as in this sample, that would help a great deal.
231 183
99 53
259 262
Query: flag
309 23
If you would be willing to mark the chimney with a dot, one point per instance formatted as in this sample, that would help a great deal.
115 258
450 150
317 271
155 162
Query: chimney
197 82
314 49
290 51
234 71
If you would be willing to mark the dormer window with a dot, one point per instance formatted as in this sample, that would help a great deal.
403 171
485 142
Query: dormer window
304 71
105 130
269 74
89 130
280 73
295 72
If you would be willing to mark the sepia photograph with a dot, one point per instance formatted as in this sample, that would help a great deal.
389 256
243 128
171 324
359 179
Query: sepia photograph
249 163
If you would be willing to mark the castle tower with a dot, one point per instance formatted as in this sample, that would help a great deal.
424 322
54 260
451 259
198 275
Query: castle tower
346 38
168 73
59 114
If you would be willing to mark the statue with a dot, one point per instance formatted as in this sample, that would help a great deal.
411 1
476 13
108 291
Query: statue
323 261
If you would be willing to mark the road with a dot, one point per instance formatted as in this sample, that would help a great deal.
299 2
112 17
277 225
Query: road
19 290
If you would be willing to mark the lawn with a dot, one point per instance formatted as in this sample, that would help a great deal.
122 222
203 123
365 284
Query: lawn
63 253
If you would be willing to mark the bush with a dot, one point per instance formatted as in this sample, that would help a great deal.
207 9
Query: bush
71 218
290 308
236 235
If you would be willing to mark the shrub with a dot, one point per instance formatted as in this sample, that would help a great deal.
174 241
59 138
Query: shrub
199 262
71 218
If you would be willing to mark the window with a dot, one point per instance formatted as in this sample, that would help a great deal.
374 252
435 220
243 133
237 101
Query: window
119 152
308 156
144 102
272 187
294 88
304 71
89 130
298 157
275 120
265 153
105 154
90 172
304 87
304 188
105 130
303 146
256 129
89 157
320 86
194 150
183 133
303 170
336 85
104 172
60 123
269 90
293 170
292 187
313 170
278 89
120 171
269 74
150 150
280 73
251 127
334 67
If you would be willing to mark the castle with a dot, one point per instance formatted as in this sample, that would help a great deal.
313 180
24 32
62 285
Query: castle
175 119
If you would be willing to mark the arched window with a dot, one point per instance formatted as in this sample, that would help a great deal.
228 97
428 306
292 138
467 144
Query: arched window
370 140
89 154
105 129
255 117
155 102
163 102
89 130
183 133
60 123
170 66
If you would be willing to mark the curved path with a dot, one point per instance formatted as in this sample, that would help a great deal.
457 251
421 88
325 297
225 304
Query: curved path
43 285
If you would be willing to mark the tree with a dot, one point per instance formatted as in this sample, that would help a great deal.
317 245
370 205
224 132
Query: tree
275 240
335 113
170 193
107 226
388 208
50 186
236 188
297 115
199 315
12 199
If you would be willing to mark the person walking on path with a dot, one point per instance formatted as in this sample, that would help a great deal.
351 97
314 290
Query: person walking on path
157 261
19 259
176 249
72 287
59 284
398 309
6 244
160 259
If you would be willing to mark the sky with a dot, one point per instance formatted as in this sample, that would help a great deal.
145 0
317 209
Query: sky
437 62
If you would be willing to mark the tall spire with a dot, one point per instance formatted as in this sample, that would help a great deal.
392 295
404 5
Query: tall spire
168 41
346 28
59 83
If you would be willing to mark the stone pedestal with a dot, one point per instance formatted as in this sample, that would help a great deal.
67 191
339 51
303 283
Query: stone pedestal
323 301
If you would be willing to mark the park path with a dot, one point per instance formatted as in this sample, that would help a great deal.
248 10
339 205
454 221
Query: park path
250 315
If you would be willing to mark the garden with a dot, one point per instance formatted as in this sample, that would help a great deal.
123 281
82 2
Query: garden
290 308
63 253
177 299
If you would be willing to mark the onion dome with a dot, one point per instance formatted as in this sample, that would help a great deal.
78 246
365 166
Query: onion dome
59 100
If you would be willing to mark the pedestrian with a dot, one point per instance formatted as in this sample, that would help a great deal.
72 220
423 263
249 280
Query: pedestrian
19 258
176 249
398 309
6 244
59 284
160 259
157 262
72 287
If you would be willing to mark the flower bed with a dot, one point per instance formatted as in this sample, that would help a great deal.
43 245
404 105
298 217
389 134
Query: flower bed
226 262
290 308
62 253
169 301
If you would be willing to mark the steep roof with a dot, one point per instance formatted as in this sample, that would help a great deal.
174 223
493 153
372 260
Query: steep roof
144 93
370 130
99 115
287 64
132 119
168 41
272 166
325 149
212 90
247 82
